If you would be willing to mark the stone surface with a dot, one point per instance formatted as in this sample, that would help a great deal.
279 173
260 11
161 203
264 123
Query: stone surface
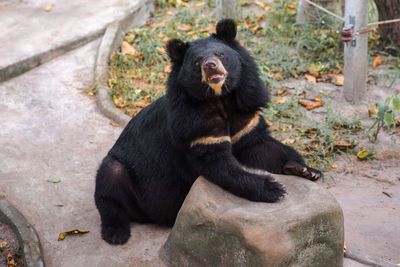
50 129
216 228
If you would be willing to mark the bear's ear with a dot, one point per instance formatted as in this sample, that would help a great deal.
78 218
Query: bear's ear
226 30
176 49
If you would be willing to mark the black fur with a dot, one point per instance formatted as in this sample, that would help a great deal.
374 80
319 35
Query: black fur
148 172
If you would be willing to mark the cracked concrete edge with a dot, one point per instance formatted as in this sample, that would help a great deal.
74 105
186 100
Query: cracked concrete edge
32 250
364 259
111 40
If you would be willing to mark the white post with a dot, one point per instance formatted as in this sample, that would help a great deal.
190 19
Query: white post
301 11
355 52
225 9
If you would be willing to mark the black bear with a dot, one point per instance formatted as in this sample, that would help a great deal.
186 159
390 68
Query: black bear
209 123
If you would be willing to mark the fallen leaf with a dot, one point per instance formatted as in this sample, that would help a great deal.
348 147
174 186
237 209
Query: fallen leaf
10 261
140 104
47 8
3 244
282 92
147 99
168 68
334 166
161 50
185 27
200 4
311 78
168 12
344 144
322 92
54 181
128 49
159 25
372 111
338 79
281 100
329 186
114 123
364 154
311 105
377 62
62 235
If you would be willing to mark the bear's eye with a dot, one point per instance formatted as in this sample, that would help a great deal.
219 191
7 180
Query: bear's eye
219 54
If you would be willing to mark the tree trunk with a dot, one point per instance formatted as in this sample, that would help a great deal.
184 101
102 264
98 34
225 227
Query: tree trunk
389 9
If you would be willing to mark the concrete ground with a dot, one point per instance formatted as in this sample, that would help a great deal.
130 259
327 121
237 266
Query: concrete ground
50 129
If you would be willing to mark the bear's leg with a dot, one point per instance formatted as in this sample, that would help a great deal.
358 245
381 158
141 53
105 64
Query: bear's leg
115 199
275 157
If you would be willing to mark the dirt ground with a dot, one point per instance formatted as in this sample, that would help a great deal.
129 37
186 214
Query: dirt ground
368 191
7 235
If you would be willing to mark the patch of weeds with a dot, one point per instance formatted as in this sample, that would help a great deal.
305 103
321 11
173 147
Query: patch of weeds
17 252
385 114
280 48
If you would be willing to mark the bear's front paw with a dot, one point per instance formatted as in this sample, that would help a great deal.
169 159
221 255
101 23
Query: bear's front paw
301 170
115 235
273 191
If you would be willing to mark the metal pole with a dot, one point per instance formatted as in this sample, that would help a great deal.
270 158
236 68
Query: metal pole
355 52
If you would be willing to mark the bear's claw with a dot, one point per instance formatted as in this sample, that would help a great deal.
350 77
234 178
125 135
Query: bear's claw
295 168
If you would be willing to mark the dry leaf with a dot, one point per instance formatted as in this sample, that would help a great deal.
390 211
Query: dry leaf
185 27
62 235
200 4
47 8
281 100
114 123
140 104
128 49
338 79
377 62
159 25
311 78
282 92
3 244
168 12
372 111
161 50
311 105
10 261
147 99
343 145
334 166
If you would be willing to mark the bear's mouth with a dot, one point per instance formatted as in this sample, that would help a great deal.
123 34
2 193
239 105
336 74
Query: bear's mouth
214 74
216 78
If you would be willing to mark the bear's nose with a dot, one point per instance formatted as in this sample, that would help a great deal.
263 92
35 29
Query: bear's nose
210 64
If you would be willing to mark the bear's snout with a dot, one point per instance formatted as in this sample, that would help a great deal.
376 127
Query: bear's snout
210 64
213 73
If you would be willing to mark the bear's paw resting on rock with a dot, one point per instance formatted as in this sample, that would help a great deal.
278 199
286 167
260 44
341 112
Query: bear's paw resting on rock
208 124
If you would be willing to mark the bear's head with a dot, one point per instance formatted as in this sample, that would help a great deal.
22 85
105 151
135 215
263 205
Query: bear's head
216 66
207 67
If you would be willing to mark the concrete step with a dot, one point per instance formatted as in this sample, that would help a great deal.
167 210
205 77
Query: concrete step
31 36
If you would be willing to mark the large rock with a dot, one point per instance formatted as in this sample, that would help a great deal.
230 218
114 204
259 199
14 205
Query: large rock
216 228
